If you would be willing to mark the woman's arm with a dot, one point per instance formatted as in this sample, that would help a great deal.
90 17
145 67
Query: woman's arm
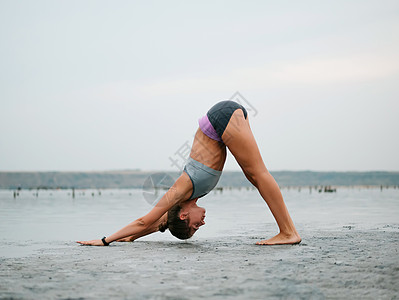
180 191
153 228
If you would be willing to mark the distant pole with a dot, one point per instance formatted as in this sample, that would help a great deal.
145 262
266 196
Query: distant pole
73 193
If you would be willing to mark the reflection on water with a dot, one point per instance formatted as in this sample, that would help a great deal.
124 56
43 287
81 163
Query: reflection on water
54 217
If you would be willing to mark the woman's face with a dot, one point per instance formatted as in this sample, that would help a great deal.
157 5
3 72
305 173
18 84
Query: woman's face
196 218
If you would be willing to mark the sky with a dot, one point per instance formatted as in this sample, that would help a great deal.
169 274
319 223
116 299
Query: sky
117 85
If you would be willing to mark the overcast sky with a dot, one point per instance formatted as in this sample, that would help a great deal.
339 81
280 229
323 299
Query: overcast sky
109 85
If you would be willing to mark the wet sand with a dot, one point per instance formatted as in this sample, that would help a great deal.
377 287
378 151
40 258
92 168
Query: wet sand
349 248
336 264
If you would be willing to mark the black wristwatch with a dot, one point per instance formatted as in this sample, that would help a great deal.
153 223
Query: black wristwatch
104 242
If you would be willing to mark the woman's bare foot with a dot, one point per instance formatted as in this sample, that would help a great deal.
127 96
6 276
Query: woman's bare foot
282 239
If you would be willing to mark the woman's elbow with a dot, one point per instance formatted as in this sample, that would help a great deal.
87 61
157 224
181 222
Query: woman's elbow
143 224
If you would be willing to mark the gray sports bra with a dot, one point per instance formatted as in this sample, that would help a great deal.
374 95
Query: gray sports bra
204 178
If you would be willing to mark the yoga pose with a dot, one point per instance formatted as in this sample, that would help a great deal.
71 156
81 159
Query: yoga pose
225 125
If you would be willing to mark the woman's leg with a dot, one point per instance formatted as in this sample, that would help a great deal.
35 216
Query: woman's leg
239 139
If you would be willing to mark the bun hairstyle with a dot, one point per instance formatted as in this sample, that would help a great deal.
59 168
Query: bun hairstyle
163 227
177 227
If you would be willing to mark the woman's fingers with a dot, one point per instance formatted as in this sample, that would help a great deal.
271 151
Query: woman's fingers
126 239
91 243
83 242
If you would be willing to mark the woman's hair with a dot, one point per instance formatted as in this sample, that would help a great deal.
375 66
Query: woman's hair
177 227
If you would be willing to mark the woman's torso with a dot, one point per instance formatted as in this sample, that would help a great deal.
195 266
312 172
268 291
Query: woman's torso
207 151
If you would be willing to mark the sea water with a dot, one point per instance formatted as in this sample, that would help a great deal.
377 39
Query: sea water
34 220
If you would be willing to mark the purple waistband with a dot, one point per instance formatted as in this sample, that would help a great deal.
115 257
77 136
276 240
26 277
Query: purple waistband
207 129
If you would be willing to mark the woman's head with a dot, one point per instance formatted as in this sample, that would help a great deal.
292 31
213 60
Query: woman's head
184 219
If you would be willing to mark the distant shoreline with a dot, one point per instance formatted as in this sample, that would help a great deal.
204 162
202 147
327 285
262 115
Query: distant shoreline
236 179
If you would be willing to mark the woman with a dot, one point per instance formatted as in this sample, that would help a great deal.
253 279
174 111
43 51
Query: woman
225 125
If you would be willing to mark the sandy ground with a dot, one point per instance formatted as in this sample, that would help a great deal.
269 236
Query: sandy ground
341 263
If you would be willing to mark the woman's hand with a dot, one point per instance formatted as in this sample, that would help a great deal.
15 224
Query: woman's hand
91 243
126 239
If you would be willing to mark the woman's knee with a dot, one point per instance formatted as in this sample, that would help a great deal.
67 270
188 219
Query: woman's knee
256 177
250 179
